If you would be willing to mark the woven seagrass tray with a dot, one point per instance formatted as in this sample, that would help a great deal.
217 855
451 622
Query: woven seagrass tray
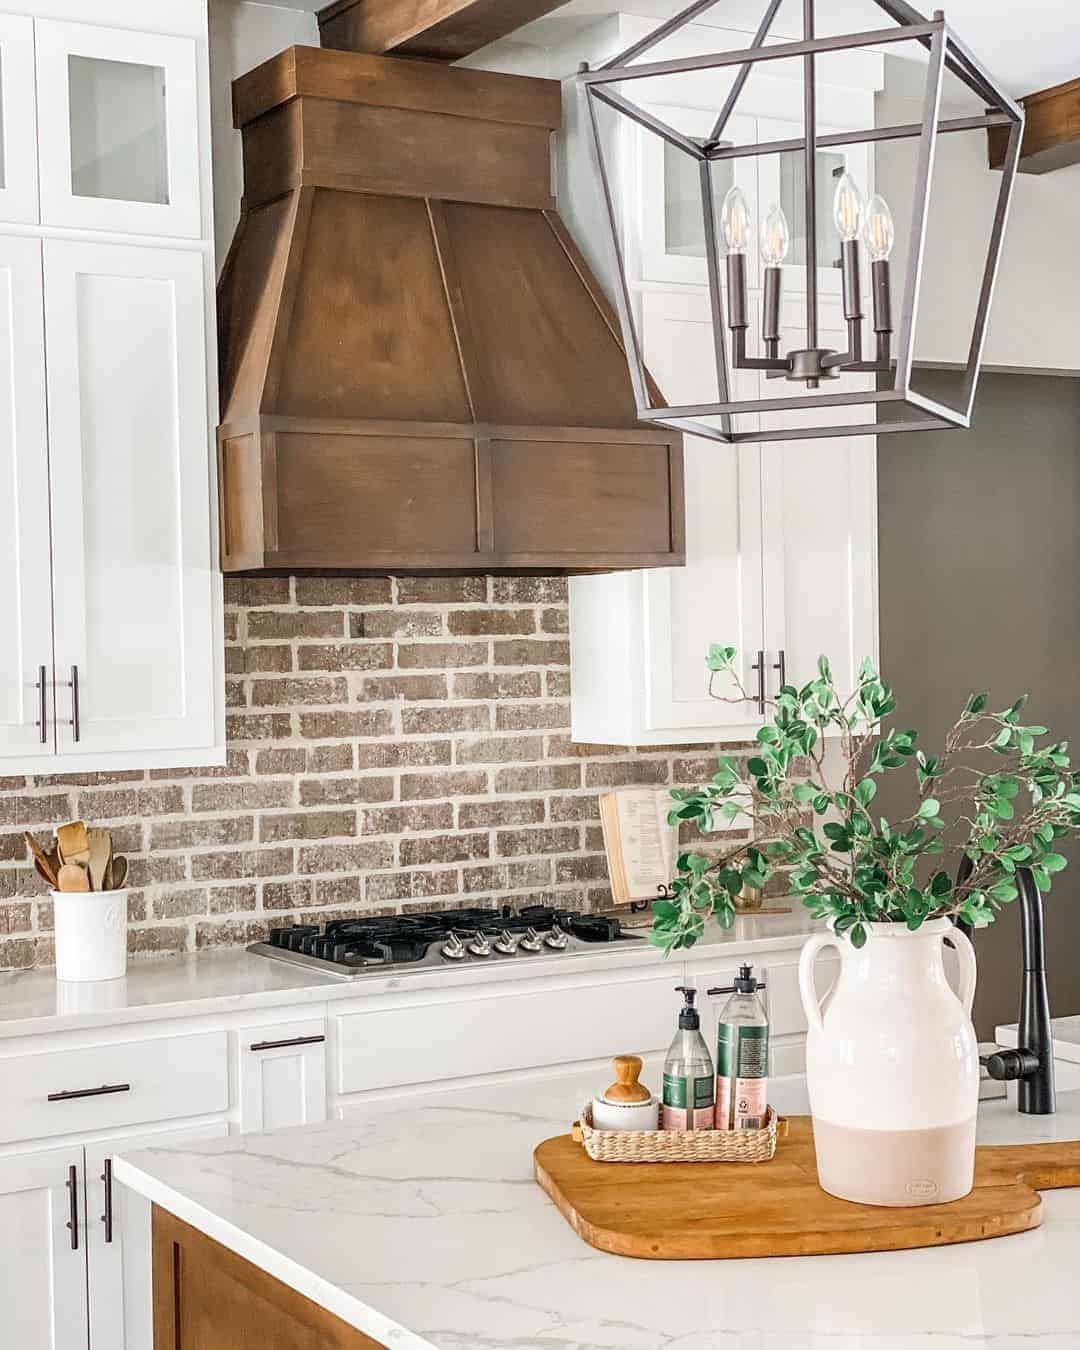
678 1146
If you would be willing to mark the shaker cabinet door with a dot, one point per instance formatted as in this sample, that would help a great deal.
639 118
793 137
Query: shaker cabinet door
27 732
717 596
118 130
129 462
282 1076
43 1250
18 121
819 514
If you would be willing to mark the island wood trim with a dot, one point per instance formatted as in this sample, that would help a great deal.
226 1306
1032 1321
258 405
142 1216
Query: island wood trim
439 30
208 1298
1051 131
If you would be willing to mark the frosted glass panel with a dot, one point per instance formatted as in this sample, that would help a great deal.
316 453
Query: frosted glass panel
793 200
684 228
130 455
118 138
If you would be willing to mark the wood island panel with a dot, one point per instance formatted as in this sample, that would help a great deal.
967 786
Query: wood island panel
208 1298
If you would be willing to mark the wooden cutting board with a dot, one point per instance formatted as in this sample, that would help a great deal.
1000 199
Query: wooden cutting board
697 1211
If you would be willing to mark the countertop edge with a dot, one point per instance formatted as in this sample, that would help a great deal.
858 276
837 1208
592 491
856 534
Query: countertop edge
326 989
329 1296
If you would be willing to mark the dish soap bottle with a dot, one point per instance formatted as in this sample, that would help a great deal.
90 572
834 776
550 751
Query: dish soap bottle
742 1056
689 1083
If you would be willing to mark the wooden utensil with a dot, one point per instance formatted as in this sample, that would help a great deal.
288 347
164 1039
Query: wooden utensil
100 842
691 1211
73 842
627 1088
73 878
118 869
41 861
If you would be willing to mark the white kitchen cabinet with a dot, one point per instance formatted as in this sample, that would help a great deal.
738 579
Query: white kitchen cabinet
781 562
43 1270
27 724
18 157
118 130
134 591
118 1242
282 1075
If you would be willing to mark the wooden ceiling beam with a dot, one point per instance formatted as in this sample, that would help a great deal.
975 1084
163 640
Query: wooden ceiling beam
1051 131
439 30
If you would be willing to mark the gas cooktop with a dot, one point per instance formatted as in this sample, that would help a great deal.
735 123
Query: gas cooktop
349 948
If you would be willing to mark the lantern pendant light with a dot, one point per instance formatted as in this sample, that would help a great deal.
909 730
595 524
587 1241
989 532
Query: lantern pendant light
730 231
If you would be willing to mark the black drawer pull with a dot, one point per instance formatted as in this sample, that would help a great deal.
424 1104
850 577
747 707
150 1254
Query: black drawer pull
281 1045
104 1091
73 1206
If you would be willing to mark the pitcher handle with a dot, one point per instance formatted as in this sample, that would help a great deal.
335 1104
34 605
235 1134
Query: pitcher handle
965 954
808 993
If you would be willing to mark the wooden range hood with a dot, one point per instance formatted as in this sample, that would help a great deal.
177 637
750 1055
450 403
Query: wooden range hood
418 371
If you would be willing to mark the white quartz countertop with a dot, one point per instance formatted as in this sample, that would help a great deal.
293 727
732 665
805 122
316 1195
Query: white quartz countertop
423 1227
34 1002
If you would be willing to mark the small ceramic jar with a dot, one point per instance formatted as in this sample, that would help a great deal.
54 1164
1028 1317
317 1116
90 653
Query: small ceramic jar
625 1115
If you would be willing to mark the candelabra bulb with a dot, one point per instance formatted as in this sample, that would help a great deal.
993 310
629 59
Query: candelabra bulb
735 220
879 231
775 237
848 208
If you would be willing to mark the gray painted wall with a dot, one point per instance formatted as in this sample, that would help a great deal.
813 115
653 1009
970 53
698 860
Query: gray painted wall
980 562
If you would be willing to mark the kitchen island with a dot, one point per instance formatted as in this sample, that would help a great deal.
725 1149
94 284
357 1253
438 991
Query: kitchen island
419 1224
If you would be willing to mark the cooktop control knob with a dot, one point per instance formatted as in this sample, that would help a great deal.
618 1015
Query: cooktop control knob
506 943
556 939
453 948
531 942
479 946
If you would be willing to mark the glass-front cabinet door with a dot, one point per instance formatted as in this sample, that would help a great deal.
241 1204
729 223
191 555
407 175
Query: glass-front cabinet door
672 220
118 130
18 149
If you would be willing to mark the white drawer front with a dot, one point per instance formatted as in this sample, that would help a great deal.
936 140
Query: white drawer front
156 1079
431 1042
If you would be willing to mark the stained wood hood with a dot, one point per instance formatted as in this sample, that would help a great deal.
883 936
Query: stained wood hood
418 370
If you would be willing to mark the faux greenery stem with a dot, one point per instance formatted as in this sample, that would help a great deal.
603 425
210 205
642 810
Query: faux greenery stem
844 864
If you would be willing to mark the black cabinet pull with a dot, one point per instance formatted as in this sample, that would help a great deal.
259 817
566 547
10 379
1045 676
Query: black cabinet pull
73 1206
106 1218
281 1045
781 666
43 705
106 1089
759 666
75 715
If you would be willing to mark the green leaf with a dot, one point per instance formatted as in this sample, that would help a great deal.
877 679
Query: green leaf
929 807
865 791
975 704
1005 891
858 936
1054 862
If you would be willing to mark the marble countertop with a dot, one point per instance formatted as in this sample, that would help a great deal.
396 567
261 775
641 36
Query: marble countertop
35 1002
423 1227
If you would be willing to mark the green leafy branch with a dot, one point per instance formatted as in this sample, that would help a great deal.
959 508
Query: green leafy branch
843 862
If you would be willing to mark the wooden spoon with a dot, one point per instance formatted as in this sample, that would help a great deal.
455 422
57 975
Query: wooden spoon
73 879
73 842
42 861
119 871
100 857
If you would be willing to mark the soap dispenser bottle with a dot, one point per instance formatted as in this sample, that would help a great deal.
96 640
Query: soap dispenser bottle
689 1092
742 1056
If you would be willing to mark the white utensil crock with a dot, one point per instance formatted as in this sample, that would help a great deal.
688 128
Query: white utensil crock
892 1067
91 935
625 1115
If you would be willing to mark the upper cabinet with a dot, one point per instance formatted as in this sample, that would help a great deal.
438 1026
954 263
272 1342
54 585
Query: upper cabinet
780 536
18 146
110 595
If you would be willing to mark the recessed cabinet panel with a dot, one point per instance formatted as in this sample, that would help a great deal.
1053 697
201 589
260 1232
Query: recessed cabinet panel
18 119
118 130
282 1075
26 711
43 1270
723 537
133 592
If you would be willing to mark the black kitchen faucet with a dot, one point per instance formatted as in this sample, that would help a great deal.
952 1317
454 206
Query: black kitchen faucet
1031 1064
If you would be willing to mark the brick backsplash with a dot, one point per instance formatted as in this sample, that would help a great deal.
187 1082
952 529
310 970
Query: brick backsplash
393 743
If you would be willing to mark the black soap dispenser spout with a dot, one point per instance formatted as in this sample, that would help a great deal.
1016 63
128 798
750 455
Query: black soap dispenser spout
1031 1064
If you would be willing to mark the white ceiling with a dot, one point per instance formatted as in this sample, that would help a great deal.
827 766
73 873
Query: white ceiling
1027 44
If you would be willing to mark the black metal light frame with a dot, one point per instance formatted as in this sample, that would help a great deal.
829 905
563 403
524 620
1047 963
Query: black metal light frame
811 364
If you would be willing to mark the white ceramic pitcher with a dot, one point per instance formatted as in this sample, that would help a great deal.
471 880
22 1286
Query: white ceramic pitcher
892 1067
